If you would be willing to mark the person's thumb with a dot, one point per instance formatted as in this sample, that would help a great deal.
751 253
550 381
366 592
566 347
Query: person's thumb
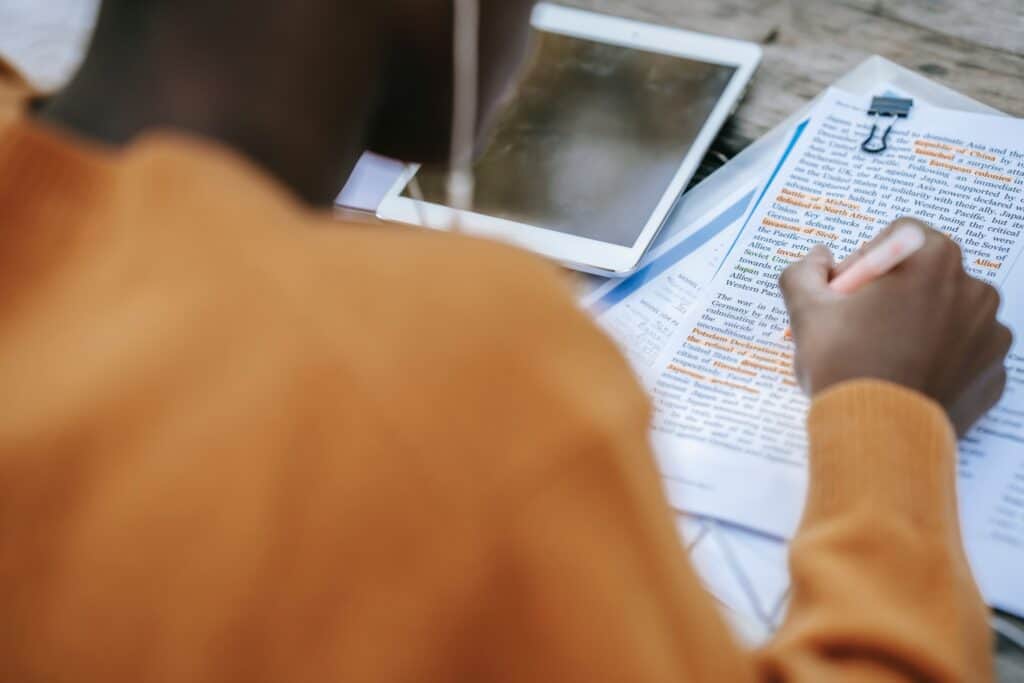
807 278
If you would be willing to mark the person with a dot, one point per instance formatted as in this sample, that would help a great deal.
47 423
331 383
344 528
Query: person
242 441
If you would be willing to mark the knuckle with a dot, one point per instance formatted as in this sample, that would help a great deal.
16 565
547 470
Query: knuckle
999 383
951 252
990 299
1004 339
981 292
945 259
819 252
980 295
935 246
786 279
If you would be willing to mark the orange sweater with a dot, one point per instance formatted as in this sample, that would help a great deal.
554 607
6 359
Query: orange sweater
243 442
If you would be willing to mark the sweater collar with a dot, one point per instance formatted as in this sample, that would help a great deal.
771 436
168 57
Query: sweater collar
44 169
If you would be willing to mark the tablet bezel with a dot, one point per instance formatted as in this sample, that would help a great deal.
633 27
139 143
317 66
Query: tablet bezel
577 252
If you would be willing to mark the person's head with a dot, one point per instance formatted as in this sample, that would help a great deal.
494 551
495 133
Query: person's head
414 117
291 83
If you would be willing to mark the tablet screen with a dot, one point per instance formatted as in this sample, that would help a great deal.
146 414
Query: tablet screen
592 138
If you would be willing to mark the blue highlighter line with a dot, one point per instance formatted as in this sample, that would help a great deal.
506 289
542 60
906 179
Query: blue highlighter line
785 155
672 256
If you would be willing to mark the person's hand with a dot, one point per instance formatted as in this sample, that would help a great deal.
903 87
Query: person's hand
926 325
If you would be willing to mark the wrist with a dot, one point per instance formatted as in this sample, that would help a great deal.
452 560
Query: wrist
823 382
877 443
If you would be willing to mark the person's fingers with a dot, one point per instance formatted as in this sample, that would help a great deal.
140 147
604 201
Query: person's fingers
940 258
808 277
846 263
1004 340
999 348
982 350
989 373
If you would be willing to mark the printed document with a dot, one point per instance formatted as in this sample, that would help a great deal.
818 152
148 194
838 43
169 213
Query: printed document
643 311
745 571
729 426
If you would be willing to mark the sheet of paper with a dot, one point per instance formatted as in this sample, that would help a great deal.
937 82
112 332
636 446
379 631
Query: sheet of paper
729 428
46 40
992 475
642 312
745 572
370 182
762 563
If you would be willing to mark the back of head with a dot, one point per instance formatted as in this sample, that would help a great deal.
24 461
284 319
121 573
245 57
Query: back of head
302 87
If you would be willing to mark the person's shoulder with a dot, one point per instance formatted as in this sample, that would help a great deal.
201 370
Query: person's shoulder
478 296
479 345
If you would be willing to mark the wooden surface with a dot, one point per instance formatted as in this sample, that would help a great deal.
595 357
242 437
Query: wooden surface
974 46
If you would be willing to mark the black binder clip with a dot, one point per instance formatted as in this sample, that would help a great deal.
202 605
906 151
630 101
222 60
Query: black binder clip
897 107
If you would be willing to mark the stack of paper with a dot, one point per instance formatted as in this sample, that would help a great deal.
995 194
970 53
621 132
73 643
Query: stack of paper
744 570
729 428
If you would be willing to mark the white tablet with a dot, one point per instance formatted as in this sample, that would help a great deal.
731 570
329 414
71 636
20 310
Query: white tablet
607 126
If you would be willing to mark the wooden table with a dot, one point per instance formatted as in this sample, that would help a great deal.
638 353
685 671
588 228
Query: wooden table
974 46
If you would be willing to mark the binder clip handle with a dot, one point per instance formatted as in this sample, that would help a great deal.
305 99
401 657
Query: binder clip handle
870 148
896 107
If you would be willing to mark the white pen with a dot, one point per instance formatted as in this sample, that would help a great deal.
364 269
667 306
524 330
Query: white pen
903 243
